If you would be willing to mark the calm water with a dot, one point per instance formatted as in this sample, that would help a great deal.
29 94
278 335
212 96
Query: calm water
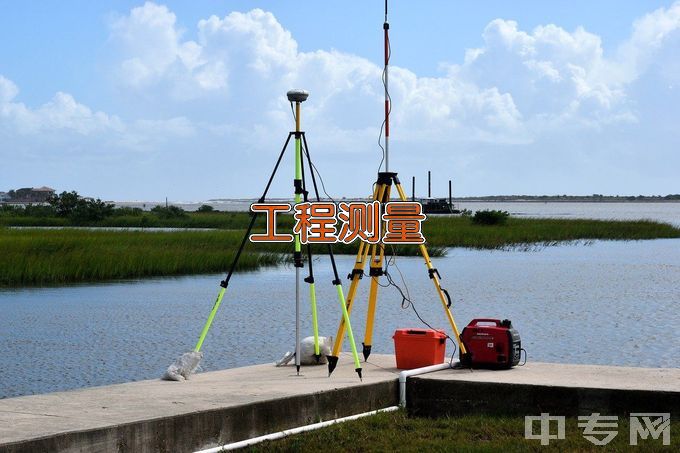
612 303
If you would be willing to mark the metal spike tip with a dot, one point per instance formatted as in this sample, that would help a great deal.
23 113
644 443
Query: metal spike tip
366 351
332 363
358 370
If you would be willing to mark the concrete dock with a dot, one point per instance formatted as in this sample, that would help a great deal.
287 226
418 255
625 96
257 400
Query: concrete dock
219 407
558 389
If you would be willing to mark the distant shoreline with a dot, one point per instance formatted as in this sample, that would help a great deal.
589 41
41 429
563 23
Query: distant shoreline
486 199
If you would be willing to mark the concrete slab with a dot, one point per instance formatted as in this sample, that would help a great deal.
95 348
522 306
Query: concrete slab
225 406
40 416
582 376
546 387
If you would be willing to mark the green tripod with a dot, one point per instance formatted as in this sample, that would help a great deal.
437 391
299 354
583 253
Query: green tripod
301 152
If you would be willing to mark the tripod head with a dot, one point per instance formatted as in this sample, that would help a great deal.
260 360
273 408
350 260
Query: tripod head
297 95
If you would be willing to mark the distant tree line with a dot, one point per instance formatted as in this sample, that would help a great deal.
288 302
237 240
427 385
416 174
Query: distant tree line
71 205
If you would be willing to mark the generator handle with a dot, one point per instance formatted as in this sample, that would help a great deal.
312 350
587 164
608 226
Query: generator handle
474 322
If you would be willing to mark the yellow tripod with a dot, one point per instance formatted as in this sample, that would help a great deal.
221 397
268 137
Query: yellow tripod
381 193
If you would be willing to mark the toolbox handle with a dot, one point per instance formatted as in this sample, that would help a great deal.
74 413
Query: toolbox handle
474 322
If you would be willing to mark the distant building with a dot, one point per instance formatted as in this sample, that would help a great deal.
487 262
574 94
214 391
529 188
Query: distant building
43 192
31 195
4 196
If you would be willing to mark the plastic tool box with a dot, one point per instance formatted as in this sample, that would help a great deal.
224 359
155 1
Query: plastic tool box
416 348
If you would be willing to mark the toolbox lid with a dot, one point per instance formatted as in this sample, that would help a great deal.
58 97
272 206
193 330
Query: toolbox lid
414 333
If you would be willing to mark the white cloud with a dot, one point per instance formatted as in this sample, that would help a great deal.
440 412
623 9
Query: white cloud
61 113
8 90
518 90
64 120
652 34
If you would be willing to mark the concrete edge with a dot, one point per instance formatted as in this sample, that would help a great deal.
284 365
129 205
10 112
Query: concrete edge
436 398
210 428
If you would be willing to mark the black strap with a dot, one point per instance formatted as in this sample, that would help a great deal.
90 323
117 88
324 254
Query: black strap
448 297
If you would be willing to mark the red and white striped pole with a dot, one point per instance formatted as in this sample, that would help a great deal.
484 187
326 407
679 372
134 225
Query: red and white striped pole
386 28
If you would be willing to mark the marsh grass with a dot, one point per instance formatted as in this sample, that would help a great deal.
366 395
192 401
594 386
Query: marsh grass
33 257
48 257
522 233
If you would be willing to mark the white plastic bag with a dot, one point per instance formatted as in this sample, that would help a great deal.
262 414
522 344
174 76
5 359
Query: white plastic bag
183 367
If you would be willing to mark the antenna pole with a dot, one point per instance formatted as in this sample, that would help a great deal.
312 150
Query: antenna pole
386 28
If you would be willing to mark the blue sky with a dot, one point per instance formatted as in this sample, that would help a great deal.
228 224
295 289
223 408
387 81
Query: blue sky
134 100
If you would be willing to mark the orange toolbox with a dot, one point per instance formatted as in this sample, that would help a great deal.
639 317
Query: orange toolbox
416 348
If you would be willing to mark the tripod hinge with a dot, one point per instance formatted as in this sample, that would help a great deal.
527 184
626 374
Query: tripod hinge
386 178
434 271
298 186
336 282
224 283
309 279
376 272
359 272
297 259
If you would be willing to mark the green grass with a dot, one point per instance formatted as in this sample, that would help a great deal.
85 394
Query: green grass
221 220
394 431
461 232
46 257
32 257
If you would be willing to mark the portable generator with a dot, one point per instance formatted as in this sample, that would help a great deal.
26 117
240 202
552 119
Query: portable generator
491 343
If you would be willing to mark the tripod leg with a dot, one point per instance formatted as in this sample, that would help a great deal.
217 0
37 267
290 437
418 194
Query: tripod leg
434 276
224 283
310 278
376 266
315 322
356 275
333 359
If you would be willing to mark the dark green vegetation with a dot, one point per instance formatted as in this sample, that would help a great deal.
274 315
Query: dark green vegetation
44 257
394 431
30 257
490 217
594 198
461 232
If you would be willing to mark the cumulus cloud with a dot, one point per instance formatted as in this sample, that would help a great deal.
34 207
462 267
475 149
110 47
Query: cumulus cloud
72 124
519 88
513 88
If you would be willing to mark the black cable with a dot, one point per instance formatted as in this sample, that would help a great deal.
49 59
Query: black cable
406 301
318 173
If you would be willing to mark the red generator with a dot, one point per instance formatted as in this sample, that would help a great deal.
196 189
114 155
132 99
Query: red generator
491 343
